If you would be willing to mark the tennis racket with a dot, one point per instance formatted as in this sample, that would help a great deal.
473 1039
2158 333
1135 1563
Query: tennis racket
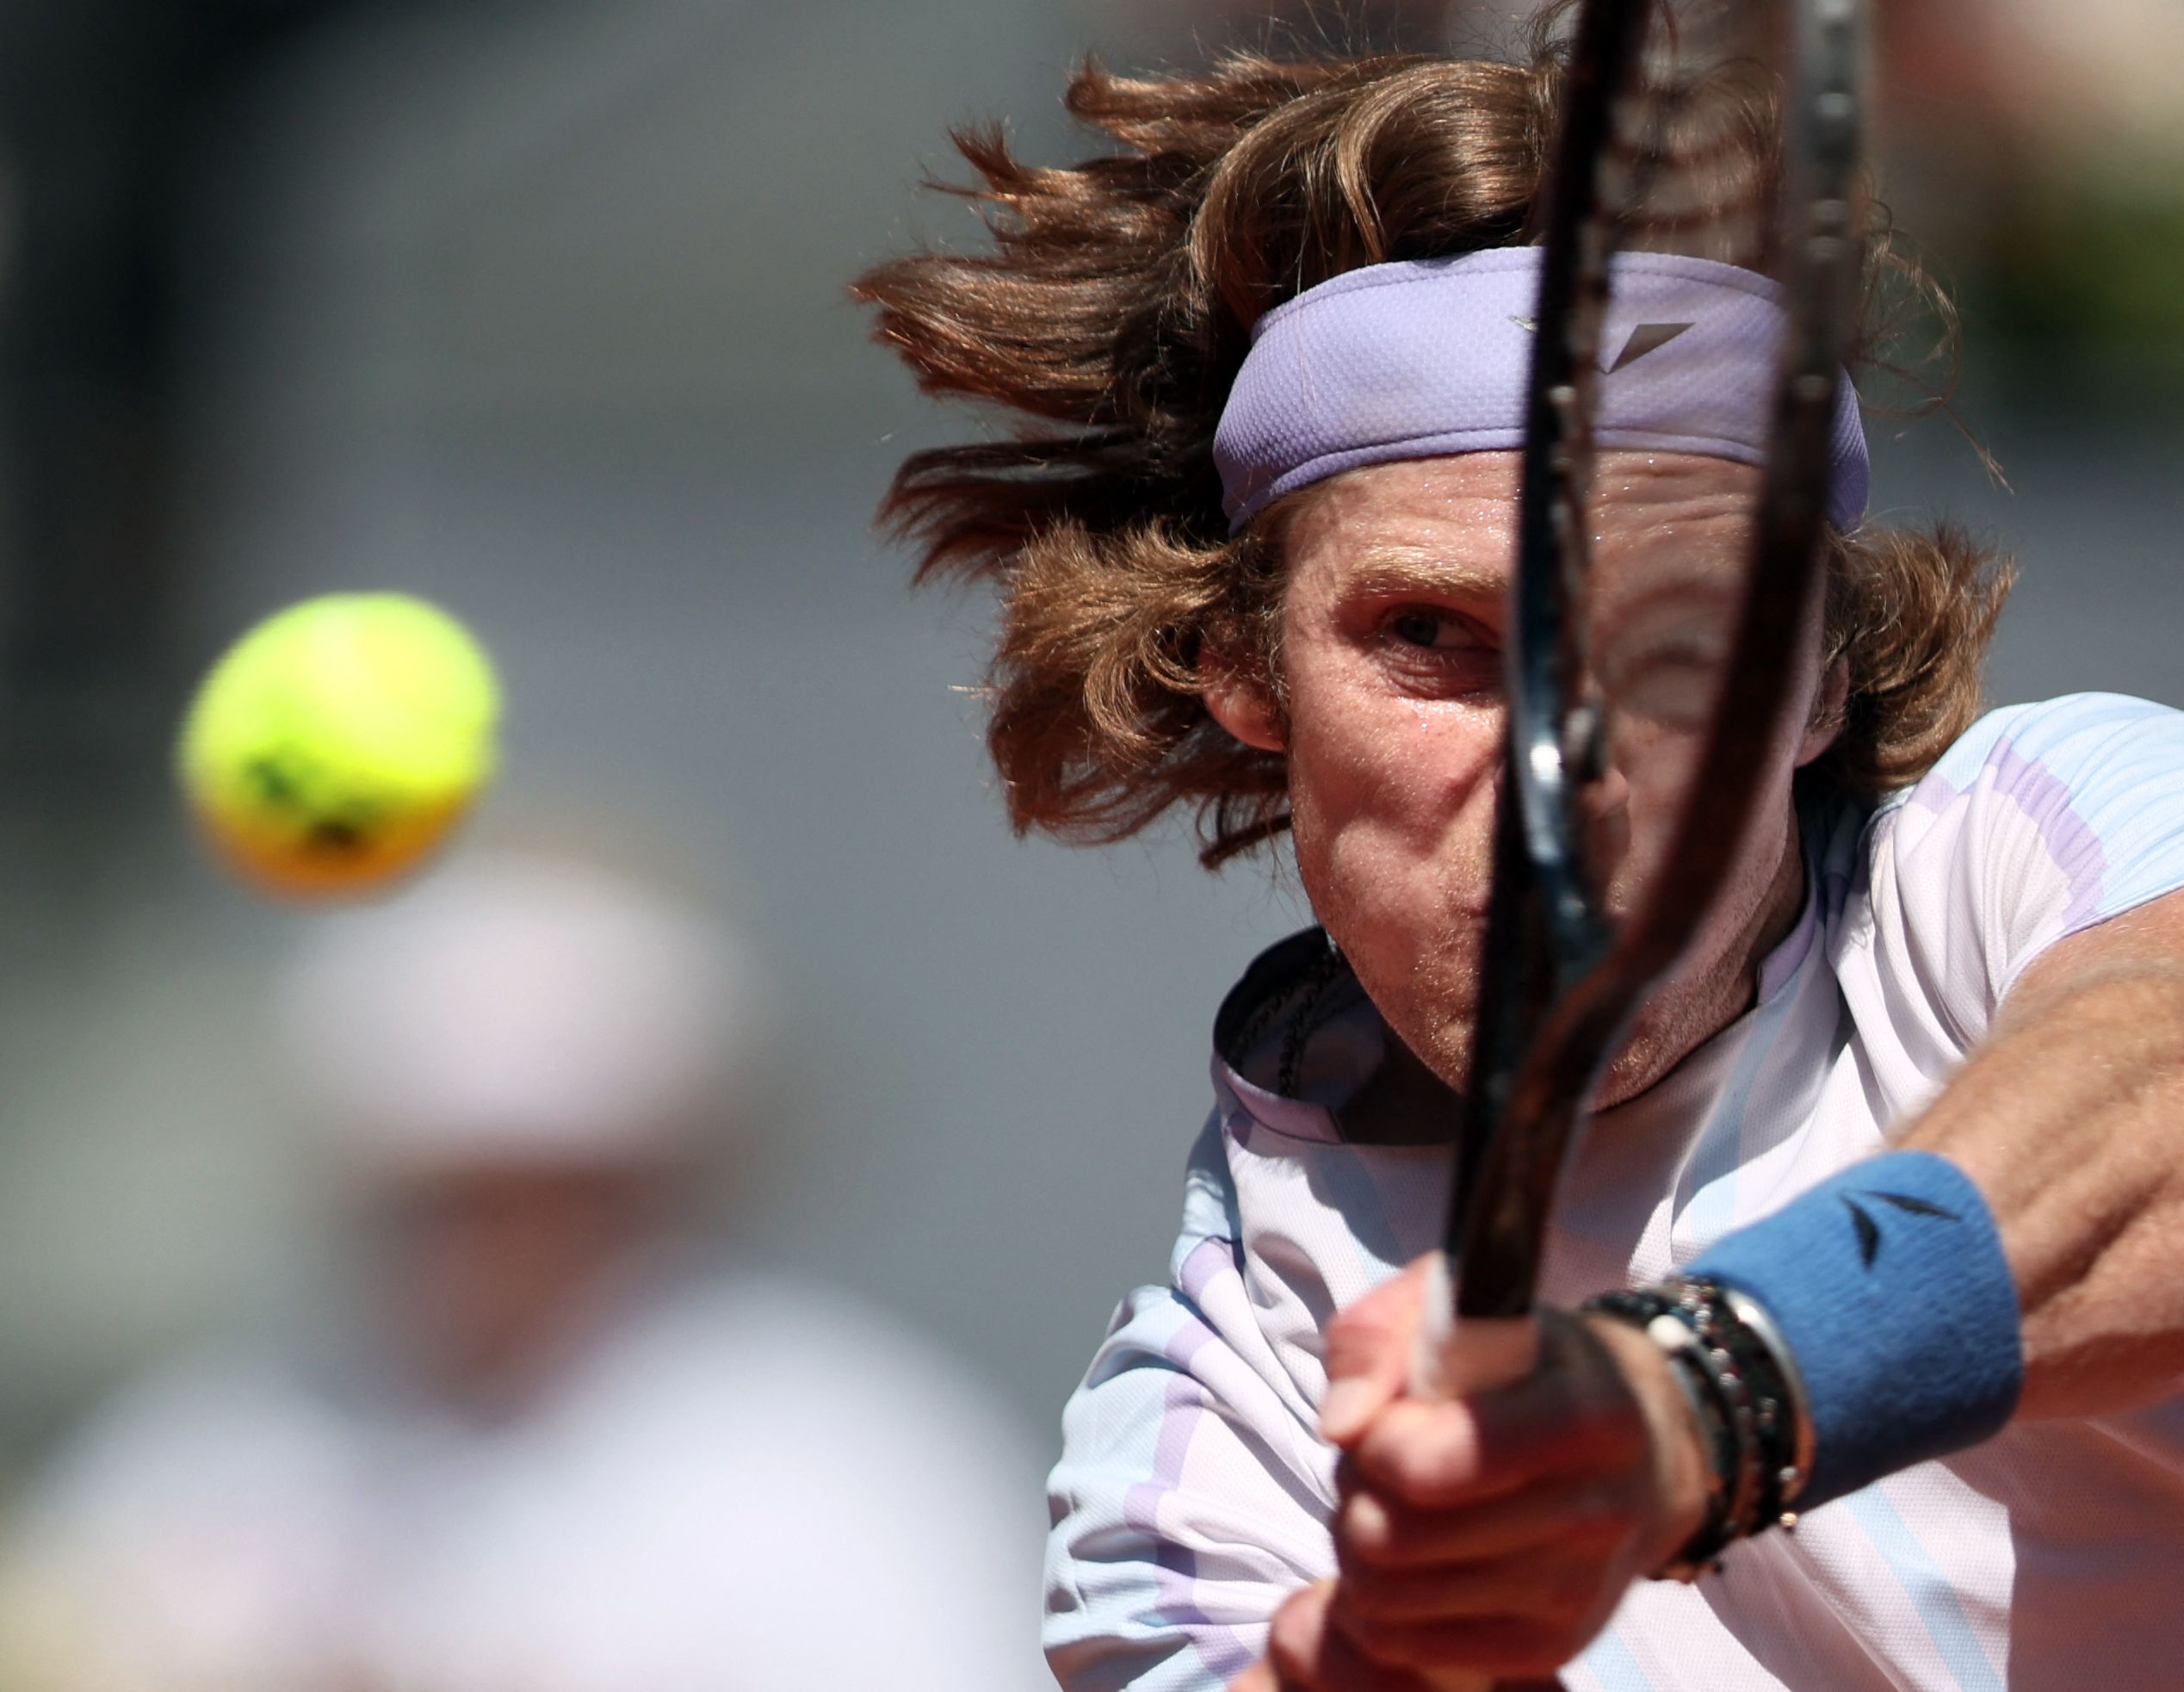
1647 150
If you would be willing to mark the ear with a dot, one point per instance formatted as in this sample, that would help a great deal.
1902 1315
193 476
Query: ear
1826 720
1244 707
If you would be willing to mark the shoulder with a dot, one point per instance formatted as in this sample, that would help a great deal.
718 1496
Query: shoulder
2085 793
2036 753
2041 820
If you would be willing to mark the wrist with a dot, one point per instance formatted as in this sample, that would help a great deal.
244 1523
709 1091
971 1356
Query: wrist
1681 1470
1887 1297
1746 1400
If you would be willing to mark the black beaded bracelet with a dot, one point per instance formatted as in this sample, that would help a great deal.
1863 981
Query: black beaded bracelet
1745 1397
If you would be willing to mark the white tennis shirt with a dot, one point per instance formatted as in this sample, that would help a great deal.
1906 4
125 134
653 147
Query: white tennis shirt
1193 1494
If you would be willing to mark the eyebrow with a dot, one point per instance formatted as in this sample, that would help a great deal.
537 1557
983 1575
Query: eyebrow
1682 571
1401 569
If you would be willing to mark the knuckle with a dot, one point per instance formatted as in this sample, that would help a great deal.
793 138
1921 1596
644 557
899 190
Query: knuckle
1370 1538
1425 1455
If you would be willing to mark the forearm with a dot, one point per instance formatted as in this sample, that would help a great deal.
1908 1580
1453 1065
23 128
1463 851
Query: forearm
2070 1118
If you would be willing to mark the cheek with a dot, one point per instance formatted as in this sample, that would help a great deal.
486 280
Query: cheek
1392 809
1655 770
1723 939
1659 788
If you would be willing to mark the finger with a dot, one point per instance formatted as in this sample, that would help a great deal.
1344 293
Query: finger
1494 1649
1259 1677
1569 1417
1547 1586
1293 1642
1369 1352
1308 1653
1418 1455
1373 1533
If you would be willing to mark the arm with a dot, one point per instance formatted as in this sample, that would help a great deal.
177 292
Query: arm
2070 1118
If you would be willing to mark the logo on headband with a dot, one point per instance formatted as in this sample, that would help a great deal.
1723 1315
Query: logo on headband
1645 339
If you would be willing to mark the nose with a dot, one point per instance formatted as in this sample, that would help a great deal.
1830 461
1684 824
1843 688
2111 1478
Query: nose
1606 808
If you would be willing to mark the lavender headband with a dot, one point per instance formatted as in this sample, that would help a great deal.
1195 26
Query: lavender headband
1429 358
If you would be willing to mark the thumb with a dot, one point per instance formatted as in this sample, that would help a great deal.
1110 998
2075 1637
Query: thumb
1369 1347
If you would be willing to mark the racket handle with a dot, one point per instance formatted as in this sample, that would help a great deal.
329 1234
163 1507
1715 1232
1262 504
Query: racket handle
1449 1359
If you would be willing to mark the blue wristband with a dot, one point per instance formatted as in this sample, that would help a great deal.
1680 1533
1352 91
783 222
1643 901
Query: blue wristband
1888 1285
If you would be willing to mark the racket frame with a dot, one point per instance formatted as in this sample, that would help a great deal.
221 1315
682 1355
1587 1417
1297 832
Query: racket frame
1558 982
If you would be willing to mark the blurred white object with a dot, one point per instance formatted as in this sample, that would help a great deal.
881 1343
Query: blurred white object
747 1489
513 1005
534 1447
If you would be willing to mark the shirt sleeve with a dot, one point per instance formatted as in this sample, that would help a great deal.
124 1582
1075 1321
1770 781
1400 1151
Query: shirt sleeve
1192 1494
2042 821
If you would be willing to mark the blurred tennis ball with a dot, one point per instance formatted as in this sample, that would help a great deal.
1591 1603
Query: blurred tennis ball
334 745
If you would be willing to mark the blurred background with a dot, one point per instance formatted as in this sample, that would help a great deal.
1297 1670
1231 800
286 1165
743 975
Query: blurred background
537 309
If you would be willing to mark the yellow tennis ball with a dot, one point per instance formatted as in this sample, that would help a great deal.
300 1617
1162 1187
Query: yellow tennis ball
335 744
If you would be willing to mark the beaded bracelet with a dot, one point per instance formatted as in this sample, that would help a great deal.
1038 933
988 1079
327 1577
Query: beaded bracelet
1745 1399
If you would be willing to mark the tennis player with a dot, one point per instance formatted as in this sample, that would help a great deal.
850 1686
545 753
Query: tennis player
1885 1187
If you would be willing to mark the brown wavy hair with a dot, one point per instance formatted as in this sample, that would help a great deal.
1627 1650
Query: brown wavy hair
1104 327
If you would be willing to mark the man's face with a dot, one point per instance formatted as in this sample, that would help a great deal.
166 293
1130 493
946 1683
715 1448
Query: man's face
1392 630
492 1270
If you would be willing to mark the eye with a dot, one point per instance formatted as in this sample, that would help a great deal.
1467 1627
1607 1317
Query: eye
1424 627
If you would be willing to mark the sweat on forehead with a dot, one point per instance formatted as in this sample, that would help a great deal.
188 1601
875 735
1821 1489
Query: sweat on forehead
1426 358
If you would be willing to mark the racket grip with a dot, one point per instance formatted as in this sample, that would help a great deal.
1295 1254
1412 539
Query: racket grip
1449 1359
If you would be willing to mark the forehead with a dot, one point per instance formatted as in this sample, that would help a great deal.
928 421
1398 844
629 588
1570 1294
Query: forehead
1662 511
